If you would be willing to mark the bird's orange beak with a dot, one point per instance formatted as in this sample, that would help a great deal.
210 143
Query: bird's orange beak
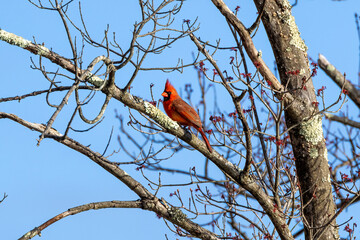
165 94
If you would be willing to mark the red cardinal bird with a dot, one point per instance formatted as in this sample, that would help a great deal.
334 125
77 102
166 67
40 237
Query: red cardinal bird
181 112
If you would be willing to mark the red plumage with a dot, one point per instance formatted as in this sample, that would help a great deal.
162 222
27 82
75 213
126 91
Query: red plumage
181 112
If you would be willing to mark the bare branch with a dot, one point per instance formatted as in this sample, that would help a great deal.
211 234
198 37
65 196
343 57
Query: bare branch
80 209
251 50
35 93
339 79
343 120
4 197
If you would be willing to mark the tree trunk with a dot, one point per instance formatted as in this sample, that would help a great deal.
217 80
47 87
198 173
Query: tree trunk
306 129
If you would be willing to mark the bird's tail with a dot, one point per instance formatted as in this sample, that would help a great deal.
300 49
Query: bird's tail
205 139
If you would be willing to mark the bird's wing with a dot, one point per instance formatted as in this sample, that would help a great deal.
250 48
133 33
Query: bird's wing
187 112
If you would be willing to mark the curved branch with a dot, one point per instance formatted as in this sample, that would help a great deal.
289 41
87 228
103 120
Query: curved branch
99 116
3 198
80 209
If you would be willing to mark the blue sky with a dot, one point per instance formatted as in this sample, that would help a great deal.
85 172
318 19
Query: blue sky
43 181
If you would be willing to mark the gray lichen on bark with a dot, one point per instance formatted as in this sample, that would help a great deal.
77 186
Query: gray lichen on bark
296 40
160 117
14 39
21 42
330 67
313 153
286 16
177 215
312 130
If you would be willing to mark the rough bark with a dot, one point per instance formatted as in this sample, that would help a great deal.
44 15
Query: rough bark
306 132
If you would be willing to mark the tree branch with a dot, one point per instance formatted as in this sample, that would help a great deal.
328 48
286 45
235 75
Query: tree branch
149 201
339 79
236 102
252 51
35 93
80 209
343 120
94 156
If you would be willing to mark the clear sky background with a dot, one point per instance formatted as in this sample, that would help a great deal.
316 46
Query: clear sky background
44 181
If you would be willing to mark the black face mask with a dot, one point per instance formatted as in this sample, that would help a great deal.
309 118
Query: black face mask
168 97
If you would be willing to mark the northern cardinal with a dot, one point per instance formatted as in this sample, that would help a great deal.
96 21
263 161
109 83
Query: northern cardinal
181 112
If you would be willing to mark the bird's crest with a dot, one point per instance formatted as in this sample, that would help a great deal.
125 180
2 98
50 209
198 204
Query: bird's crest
169 87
